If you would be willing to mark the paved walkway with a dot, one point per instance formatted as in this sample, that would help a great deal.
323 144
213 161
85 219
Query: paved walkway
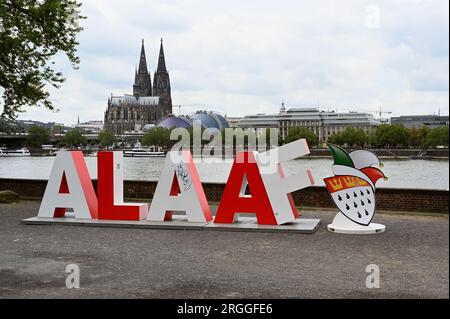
413 256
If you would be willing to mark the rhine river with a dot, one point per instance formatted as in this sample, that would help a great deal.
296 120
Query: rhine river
422 174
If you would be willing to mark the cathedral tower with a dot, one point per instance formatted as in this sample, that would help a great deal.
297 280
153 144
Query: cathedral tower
161 82
147 105
142 81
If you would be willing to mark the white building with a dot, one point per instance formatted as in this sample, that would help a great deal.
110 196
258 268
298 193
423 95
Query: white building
233 121
93 127
323 124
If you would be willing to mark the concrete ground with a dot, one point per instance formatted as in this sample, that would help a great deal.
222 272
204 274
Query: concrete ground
413 257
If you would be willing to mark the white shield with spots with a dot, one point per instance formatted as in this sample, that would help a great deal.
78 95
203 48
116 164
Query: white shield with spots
354 197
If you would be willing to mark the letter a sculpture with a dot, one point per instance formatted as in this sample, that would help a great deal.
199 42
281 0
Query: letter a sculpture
353 191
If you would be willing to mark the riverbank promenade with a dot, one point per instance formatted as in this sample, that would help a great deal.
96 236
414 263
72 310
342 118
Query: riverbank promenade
412 255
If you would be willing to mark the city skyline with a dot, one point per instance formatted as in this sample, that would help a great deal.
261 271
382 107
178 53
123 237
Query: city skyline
245 58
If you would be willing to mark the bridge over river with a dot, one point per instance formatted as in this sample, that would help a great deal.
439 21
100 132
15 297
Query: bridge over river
18 140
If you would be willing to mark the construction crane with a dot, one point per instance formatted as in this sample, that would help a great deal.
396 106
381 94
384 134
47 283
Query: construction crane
380 112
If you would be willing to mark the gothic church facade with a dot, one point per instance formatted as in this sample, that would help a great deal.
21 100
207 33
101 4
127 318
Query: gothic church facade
148 103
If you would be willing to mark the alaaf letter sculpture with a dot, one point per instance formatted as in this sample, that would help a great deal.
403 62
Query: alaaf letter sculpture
353 191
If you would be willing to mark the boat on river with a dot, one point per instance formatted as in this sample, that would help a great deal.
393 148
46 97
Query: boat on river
141 152
14 153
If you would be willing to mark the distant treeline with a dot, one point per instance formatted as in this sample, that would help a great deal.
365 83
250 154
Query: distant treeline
385 136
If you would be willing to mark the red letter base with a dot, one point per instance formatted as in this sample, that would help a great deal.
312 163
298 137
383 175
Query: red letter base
110 190
245 170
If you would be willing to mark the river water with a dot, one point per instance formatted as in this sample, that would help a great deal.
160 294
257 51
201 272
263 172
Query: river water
422 174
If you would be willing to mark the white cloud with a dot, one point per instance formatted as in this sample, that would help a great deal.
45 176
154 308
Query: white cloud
244 57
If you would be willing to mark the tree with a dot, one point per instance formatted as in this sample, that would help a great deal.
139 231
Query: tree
415 137
31 34
437 137
336 138
349 136
419 136
382 135
74 138
37 136
299 132
402 136
423 133
106 138
372 138
57 129
7 126
360 137
392 136
158 136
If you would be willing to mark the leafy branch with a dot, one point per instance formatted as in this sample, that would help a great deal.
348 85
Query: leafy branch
32 32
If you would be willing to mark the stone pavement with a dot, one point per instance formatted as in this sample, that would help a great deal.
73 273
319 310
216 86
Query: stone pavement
413 256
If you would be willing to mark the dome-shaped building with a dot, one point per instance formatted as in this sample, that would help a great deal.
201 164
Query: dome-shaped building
210 120
172 121
207 120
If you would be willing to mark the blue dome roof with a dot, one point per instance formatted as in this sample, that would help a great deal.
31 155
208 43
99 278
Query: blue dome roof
223 121
172 121
210 120
207 120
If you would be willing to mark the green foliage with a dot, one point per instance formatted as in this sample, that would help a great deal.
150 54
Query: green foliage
437 137
57 129
415 137
158 136
336 139
423 133
74 138
296 133
106 138
37 136
350 136
372 138
419 136
393 136
359 136
9 127
31 34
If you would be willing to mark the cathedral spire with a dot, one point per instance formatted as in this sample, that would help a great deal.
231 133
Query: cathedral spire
142 81
142 60
161 59
161 82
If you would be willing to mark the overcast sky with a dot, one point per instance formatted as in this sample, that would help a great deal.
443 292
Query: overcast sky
245 57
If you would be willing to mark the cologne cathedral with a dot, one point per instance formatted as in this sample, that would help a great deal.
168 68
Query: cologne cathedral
148 103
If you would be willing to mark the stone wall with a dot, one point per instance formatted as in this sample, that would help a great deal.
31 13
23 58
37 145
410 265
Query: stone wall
392 199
